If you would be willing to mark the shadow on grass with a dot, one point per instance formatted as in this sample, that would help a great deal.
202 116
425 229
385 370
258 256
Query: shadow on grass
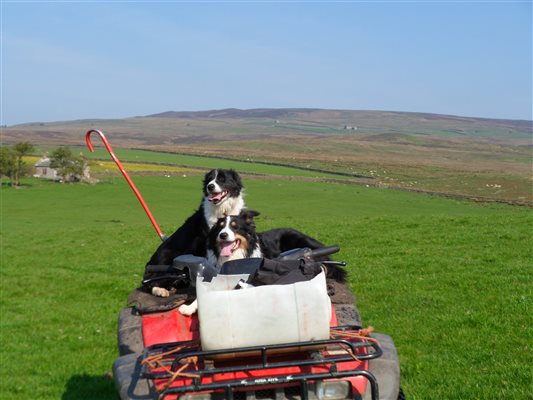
8 184
89 387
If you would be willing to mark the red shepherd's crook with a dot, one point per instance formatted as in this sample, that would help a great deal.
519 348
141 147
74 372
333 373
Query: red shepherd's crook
121 168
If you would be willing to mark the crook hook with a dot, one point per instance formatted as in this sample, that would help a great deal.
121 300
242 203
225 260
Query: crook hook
121 168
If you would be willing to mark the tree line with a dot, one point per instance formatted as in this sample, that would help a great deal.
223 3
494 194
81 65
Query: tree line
13 166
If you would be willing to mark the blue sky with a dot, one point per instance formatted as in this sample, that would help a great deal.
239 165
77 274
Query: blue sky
78 59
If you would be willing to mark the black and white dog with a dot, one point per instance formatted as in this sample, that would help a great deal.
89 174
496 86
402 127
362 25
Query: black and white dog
223 195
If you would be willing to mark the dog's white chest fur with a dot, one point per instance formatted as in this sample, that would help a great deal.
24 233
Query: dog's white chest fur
230 206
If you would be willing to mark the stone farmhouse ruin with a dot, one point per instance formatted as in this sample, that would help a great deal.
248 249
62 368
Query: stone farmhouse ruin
45 171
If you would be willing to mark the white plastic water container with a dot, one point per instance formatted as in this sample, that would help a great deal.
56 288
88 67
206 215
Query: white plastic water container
270 314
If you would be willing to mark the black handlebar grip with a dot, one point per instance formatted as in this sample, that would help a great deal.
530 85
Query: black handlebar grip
159 268
323 251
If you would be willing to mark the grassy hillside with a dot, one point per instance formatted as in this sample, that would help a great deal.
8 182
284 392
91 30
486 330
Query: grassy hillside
440 153
287 121
448 280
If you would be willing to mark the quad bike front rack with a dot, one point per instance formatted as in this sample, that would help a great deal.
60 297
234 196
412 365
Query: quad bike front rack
266 365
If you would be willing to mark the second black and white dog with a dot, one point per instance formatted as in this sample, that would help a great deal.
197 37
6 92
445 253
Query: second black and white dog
234 237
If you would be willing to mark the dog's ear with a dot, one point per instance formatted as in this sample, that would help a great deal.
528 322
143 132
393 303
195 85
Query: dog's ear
236 177
248 216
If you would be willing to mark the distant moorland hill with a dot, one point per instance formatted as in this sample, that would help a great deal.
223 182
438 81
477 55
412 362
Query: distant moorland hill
366 119
232 122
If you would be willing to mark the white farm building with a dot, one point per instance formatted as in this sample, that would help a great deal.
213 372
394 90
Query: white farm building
43 170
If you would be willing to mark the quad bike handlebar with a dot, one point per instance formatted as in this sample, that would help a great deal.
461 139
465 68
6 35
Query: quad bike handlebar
312 255
188 267
185 267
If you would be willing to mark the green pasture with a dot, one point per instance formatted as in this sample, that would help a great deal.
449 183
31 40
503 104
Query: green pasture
449 280
147 156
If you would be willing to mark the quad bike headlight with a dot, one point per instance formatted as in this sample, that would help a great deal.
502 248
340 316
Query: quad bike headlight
333 390
201 396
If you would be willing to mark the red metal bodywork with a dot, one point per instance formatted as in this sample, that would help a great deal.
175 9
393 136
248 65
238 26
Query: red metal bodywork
169 327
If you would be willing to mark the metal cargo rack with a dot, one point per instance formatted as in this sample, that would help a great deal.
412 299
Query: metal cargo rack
331 355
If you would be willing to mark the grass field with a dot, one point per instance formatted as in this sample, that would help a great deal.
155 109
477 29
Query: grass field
201 162
144 160
493 176
449 280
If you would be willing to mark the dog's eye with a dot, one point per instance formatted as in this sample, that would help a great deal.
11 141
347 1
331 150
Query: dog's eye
233 224
221 223
221 178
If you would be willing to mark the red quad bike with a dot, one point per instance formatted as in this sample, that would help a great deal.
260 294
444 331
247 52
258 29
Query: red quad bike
161 354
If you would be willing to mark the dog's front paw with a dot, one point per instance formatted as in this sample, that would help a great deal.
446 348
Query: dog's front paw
160 292
188 309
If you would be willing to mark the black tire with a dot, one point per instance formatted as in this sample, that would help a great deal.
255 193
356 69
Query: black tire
386 370
128 381
129 333
401 395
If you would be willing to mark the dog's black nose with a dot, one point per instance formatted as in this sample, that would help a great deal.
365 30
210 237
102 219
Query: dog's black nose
223 235
210 187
